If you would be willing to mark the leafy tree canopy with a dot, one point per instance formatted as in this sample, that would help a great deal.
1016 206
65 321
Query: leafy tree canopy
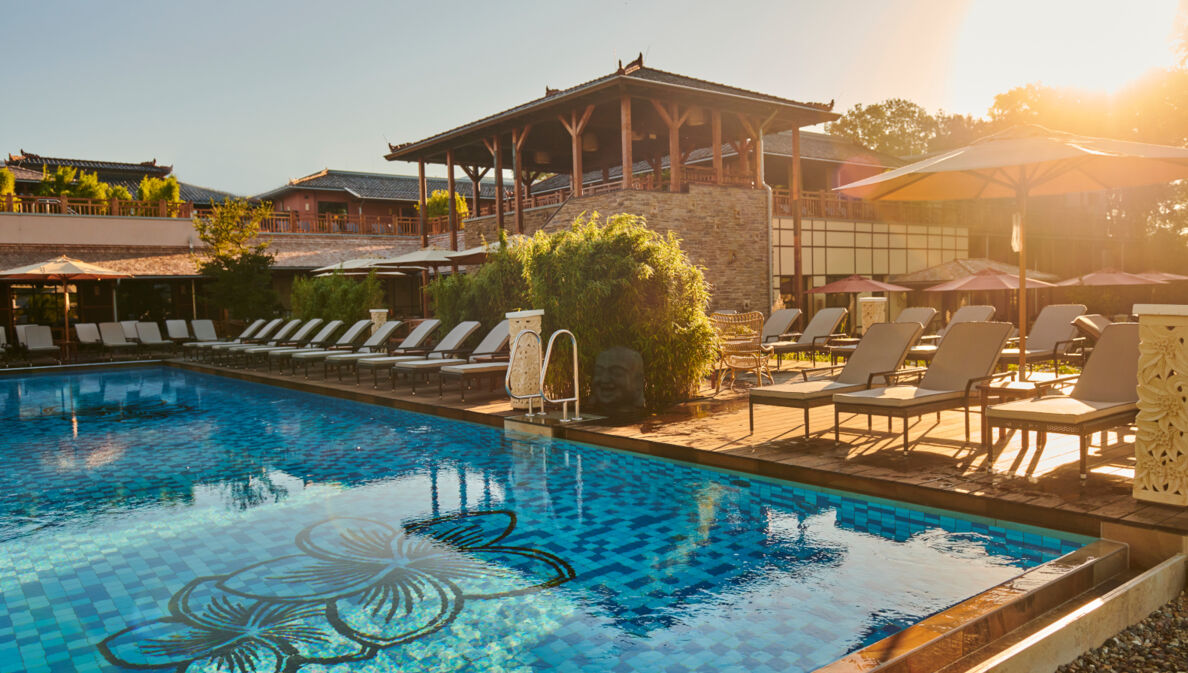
438 204
7 182
159 189
236 259
232 229
73 183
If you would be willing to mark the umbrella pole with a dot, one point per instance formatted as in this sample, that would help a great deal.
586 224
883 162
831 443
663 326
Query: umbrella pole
66 303
1022 204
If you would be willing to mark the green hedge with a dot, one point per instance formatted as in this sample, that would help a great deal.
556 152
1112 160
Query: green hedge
616 283
336 297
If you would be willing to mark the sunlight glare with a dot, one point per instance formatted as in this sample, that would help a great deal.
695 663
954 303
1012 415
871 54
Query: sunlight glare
1100 46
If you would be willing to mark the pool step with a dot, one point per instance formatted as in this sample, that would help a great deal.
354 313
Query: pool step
1081 624
951 636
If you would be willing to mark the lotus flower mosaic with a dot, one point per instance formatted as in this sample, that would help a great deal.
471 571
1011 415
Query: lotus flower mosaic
357 586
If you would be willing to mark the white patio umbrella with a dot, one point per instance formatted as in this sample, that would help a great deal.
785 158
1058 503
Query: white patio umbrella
1021 162
64 270
349 264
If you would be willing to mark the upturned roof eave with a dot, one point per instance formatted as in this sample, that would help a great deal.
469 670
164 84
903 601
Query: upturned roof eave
427 148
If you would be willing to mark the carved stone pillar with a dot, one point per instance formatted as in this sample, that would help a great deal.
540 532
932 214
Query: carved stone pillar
524 376
1161 441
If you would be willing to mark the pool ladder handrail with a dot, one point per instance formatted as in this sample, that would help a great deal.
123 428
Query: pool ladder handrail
539 394
564 402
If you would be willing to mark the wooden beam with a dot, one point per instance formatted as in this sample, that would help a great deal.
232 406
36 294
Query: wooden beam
422 196
518 137
794 186
453 204
716 127
576 126
625 133
497 151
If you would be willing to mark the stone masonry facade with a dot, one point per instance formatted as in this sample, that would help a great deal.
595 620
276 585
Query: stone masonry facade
726 230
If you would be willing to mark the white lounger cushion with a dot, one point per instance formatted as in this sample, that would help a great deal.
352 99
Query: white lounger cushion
347 357
897 396
803 390
429 364
388 360
475 368
1058 409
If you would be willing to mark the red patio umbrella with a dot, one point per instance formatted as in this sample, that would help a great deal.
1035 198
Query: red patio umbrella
1108 278
855 284
986 280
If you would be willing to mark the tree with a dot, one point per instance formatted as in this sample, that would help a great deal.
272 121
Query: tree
236 259
336 297
67 181
7 182
438 204
895 126
159 189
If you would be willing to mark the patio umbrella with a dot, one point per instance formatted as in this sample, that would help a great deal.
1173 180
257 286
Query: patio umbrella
1109 277
361 273
1163 276
855 284
349 264
426 257
986 280
1021 162
63 270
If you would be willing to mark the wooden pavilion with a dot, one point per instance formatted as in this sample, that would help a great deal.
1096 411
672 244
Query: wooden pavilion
633 113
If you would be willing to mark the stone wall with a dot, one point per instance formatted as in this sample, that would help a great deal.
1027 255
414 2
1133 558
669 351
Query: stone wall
724 229
481 229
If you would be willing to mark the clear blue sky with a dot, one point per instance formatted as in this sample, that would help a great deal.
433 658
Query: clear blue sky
244 95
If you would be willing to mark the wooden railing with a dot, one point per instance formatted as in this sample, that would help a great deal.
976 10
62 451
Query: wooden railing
294 222
64 205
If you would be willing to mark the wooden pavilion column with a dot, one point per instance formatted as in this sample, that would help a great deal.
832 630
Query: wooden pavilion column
716 128
673 120
493 146
625 133
795 180
453 202
576 126
756 129
518 137
476 174
421 198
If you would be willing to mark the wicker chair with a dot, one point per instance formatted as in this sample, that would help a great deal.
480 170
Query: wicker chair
740 346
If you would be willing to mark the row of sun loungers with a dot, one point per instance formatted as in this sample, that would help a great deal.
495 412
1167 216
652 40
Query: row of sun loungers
305 344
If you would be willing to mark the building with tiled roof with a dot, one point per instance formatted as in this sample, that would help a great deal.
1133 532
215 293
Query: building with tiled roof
331 191
27 168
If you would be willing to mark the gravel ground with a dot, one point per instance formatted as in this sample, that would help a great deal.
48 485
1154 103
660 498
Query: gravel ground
1158 644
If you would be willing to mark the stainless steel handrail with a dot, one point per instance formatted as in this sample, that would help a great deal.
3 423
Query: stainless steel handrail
564 402
539 394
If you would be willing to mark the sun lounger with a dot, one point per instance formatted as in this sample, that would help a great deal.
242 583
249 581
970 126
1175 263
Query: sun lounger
965 358
493 345
413 343
204 330
920 315
376 345
129 327
177 331
87 335
295 338
39 341
1105 396
448 345
265 332
882 349
927 348
349 339
815 337
319 341
282 334
779 323
114 341
149 336
202 345
1051 336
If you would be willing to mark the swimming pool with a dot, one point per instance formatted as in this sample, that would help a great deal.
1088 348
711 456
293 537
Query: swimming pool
163 519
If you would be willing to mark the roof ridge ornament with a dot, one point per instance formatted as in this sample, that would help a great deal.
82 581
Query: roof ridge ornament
632 66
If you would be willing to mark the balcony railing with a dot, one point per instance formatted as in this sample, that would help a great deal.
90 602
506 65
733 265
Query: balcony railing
63 205
294 222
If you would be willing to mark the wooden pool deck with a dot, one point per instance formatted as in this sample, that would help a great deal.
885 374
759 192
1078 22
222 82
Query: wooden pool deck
1034 486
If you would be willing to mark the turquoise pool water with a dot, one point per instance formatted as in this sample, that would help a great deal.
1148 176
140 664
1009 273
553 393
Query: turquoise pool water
153 518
